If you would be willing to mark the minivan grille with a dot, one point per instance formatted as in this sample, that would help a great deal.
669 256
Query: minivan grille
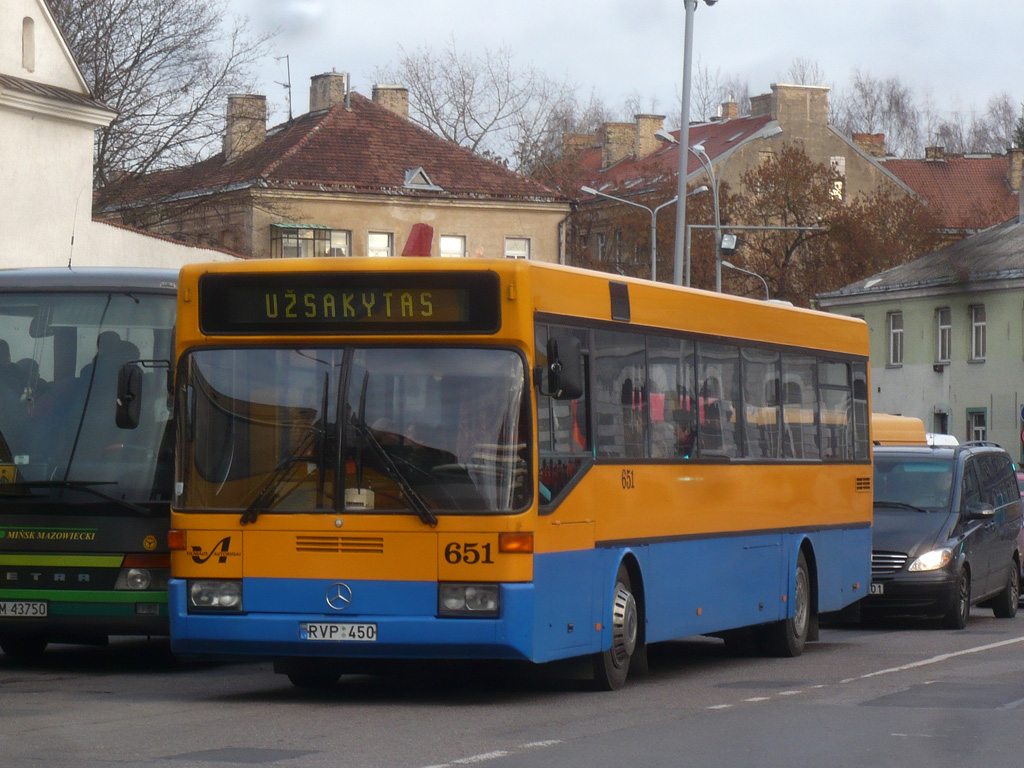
887 563
368 545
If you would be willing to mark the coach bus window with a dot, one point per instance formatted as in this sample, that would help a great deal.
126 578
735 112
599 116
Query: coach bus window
836 411
799 408
672 408
762 422
620 393
563 434
444 428
718 398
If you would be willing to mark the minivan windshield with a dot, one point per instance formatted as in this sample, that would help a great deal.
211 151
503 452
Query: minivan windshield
924 483
320 429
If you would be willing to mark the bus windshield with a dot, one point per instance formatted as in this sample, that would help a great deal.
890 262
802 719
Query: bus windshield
420 430
59 358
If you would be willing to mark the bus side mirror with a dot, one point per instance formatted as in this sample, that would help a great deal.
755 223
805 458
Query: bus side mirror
129 396
565 368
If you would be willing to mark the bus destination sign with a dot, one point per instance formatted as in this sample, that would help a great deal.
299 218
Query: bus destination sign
349 302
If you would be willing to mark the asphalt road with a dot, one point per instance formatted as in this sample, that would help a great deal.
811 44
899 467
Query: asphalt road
898 694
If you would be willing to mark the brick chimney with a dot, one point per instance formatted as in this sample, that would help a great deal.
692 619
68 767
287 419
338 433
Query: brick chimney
327 90
644 142
728 110
872 144
617 141
392 97
937 154
761 106
246 125
1014 158
574 143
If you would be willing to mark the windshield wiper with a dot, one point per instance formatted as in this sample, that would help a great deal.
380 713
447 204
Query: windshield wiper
416 501
77 485
899 505
268 493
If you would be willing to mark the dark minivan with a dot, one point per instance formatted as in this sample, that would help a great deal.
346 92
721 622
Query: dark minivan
946 524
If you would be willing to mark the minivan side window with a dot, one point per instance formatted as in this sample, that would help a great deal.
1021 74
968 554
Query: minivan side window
996 480
971 494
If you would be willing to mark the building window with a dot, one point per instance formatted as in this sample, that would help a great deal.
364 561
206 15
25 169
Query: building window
978 332
895 338
517 247
838 164
341 242
976 424
453 246
944 321
300 241
602 246
380 244
28 44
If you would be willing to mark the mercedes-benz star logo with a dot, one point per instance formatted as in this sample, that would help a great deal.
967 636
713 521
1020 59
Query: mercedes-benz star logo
339 596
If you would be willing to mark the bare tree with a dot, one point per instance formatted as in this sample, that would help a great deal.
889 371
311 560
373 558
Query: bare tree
804 72
708 91
880 106
485 102
166 67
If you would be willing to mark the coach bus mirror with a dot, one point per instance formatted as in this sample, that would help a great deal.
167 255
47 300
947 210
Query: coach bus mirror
129 396
565 368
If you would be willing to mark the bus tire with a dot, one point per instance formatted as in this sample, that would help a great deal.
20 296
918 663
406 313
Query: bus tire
789 636
23 646
611 667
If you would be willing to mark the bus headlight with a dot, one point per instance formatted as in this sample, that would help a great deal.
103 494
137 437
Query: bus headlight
467 600
141 579
932 561
215 595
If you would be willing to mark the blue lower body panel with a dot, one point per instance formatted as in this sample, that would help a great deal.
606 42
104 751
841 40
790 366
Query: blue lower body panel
685 587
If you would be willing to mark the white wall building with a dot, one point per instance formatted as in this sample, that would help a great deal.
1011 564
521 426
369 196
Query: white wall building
47 122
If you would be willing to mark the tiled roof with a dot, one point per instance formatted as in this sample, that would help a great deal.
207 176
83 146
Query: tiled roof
364 149
966 193
996 253
632 175
49 91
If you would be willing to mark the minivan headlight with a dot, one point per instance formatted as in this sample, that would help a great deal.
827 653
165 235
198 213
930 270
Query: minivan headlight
932 561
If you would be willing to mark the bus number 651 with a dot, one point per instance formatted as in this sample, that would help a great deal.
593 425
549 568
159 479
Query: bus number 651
469 553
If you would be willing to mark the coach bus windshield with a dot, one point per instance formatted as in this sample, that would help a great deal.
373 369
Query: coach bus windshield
59 358
421 430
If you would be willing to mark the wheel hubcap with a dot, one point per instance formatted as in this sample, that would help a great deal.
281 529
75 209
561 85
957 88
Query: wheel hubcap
624 625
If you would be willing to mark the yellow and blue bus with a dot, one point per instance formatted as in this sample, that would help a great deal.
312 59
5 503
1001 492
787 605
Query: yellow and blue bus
84 504
475 459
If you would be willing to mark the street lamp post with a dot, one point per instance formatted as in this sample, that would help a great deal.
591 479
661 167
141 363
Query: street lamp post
654 217
690 7
769 130
752 274
654 221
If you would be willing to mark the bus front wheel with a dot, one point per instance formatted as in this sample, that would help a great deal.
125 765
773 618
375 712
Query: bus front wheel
611 667
789 636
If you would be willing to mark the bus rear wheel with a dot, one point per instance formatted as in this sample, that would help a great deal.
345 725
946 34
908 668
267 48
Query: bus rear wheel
789 636
611 667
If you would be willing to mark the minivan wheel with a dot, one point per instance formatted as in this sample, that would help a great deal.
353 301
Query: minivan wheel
960 604
1004 606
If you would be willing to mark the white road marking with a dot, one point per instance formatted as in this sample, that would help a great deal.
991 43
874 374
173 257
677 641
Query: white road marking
934 660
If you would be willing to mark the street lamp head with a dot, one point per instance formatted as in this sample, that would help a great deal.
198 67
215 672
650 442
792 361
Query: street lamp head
588 190
775 130
662 135
698 190
709 3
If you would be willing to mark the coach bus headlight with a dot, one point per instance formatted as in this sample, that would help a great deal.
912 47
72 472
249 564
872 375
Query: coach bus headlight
215 595
468 600
932 561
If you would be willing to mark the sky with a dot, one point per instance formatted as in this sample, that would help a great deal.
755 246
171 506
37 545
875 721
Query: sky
954 54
